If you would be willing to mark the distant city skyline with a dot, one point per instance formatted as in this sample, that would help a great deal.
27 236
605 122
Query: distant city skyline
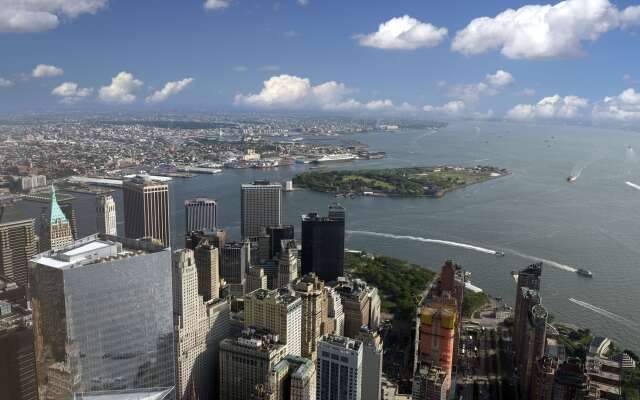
413 59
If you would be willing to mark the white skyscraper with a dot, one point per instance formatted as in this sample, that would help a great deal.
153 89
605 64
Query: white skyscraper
106 215
339 369
260 206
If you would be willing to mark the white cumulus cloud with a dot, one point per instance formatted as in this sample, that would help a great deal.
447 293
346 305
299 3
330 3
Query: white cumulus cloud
216 4
553 107
492 85
71 93
500 78
45 71
544 31
121 89
403 33
623 107
170 88
452 107
5 83
42 15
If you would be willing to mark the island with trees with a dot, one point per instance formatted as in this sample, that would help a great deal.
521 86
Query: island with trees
398 182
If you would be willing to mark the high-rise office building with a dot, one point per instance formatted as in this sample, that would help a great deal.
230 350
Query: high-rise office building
288 263
430 383
236 259
256 279
278 233
56 232
199 327
216 237
70 213
208 266
332 313
372 353
310 289
200 214
260 207
337 212
323 247
102 318
293 378
356 305
437 325
18 243
106 215
278 312
339 369
246 363
146 210
18 365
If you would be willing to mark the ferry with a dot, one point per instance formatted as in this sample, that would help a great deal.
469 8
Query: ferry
499 253
335 158
584 272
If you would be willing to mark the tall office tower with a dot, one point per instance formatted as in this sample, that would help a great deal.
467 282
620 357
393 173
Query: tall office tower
13 293
542 386
256 279
337 212
208 266
18 365
430 383
261 247
523 343
216 237
528 277
196 356
437 335
356 305
57 232
260 206
374 308
278 312
278 233
571 383
270 268
311 290
339 369
532 346
333 317
102 319
70 213
288 263
18 243
236 258
293 378
246 363
371 363
146 210
322 247
106 215
200 214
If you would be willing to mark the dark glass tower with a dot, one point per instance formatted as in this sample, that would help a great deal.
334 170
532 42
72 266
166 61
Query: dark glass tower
323 246
278 233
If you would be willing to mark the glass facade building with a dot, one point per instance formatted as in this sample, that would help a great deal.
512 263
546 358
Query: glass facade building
102 314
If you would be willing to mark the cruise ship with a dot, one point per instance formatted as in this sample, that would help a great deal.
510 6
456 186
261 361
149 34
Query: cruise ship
335 158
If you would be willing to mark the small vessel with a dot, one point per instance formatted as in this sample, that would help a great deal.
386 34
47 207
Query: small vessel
571 178
335 158
584 272
499 253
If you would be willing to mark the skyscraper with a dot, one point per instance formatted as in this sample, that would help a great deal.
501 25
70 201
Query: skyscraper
57 233
293 378
200 214
323 247
70 213
310 289
287 263
371 363
333 316
278 233
17 368
18 243
277 312
146 210
236 258
260 207
337 212
430 383
256 279
106 215
339 369
102 318
199 327
208 266
437 335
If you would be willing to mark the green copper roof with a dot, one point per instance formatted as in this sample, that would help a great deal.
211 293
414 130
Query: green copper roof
56 211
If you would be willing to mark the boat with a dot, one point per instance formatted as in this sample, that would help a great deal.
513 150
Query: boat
499 253
571 178
335 158
584 272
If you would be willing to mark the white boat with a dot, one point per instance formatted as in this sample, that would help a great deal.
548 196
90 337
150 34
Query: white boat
336 158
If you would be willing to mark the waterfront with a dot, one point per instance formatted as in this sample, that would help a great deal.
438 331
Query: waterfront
532 213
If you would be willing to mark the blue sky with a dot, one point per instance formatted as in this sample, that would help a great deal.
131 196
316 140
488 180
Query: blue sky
325 55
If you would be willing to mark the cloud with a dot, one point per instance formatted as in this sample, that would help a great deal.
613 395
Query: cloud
553 107
121 89
45 71
292 92
270 68
19 16
216 4
544 31
490 86
403 33
169 89
71 93
527 92
623 107
452 107
5 83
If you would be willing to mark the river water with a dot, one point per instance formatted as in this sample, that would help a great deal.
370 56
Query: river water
532 214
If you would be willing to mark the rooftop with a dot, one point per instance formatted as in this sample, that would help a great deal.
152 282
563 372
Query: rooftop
11 214
342 342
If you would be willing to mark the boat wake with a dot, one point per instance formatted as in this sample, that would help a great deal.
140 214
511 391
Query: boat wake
633 185
426 240
552 263
605 313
